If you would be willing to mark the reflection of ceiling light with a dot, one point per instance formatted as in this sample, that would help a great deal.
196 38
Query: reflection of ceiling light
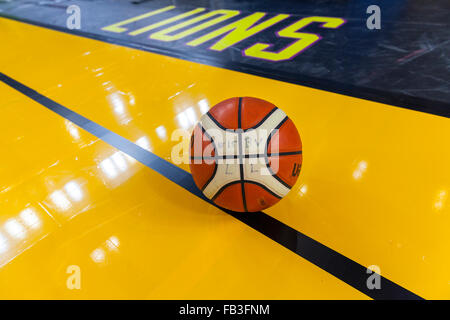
74 191
116 100
190 112
15 229
60 200
187 118
98 255
3 244
303 190
440 200
183 121
161 132
108 168
129 158
143 143
73 130
119 161
114 240
360 169
203 106
438 205
363 165
30 218
113 243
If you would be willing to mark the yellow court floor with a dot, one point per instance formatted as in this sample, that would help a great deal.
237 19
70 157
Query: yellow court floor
374 183
126 233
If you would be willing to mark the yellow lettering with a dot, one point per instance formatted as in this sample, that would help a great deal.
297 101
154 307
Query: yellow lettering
166 21
240 30
116 27
163 34
305 39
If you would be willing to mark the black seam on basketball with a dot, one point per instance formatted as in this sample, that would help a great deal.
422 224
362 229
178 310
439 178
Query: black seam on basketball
241 153
210 179
243 182
273 132
262 186
223 188
280 154
207 135
234 156
192 139
240 113
266 158
282 122
263 119
278 178
193 134
216 122
215 163
244 201
246 156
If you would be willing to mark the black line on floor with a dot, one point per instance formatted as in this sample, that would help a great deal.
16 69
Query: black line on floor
325 258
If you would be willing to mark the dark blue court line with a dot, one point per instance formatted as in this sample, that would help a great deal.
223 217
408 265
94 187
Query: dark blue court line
396 99
325 258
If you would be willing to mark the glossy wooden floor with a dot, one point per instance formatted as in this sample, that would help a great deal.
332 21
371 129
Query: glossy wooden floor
374 185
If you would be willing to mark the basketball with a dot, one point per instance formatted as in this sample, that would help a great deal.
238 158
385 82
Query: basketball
245 154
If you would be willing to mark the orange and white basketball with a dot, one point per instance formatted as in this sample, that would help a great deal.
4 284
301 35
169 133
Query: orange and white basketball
245 154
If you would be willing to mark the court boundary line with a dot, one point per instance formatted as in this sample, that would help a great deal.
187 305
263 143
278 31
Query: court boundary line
392 99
